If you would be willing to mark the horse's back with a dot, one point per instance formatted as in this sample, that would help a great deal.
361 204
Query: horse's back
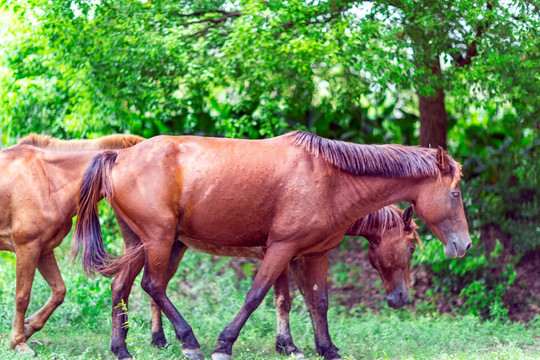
227 191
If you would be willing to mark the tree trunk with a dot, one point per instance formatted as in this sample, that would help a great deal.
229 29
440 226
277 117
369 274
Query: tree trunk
433 116
433 120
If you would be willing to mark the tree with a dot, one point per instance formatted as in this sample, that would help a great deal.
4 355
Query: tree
256 68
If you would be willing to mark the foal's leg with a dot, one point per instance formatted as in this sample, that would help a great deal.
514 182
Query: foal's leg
154 282
48 267
274 263
27 260
158 337
282 302
310 274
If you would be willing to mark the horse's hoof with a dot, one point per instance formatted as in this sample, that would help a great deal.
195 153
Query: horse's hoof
221 356
193 354
24 349
159 343
297 355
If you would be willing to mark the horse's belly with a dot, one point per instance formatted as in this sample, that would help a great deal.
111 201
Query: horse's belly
234 251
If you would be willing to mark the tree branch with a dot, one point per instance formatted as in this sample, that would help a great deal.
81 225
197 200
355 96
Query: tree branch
211 21
463 60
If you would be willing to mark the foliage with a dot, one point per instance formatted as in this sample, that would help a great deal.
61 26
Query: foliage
254 69
477 278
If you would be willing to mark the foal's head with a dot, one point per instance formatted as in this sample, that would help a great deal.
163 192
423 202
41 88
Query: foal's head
390 252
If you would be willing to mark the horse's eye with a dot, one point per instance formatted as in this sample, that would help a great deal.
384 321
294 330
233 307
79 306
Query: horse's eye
455 194
411 249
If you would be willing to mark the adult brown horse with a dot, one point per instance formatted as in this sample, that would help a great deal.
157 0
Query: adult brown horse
39 180
390 232
294 194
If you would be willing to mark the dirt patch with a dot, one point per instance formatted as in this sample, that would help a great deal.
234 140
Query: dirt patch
523 297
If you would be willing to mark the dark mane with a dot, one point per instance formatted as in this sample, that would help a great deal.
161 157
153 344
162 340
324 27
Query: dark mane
109 142
393 161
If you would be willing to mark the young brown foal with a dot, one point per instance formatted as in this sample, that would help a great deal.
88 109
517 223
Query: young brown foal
39 180
390 232
295 194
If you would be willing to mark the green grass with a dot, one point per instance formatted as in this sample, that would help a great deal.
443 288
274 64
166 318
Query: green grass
208 294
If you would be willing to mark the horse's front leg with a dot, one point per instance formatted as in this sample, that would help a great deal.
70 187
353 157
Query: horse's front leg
282 302
48 267
310 274
274 263
27 260
154 282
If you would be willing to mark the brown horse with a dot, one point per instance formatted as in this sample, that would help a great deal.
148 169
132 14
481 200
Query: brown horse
390 232
294 194
38 189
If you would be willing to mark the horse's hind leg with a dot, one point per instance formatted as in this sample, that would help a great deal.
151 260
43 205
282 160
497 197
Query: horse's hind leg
282 302
120 290
27 260
310 274
274 263
158 337
48 267
154 282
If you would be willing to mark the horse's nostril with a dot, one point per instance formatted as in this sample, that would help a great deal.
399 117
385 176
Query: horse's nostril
469 246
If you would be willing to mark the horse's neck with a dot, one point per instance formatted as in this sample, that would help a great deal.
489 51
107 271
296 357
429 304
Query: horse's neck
362 195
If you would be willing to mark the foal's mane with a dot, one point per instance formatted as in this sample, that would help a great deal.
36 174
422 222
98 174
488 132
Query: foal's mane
109 142
392 161
379 221
382 220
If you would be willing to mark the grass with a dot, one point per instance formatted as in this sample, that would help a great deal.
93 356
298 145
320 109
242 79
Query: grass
208 294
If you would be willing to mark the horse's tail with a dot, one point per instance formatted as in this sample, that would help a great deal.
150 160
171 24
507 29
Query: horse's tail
96 184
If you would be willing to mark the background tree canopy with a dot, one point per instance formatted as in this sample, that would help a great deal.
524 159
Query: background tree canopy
459 74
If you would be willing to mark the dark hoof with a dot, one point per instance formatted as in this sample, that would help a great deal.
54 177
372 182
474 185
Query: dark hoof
123 355
221 356
290 350
193 354
332 355
159 342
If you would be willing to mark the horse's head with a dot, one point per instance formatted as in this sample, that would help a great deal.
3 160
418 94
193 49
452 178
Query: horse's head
440 206
390 253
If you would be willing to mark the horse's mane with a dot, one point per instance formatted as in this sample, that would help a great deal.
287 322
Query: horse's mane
393 161
109 142
379 221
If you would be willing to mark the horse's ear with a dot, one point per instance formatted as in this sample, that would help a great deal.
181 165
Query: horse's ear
442 160
407 216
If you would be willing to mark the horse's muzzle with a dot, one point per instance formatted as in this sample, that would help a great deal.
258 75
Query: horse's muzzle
397 298
457 246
